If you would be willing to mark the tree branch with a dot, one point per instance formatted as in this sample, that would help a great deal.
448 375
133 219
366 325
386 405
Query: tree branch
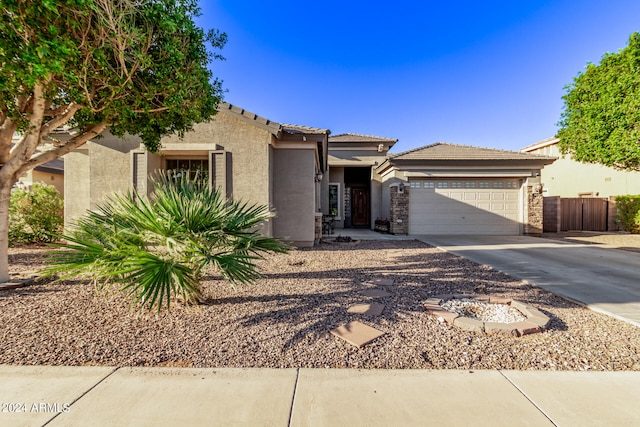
6 135
68 147
23 151
64 114
153 110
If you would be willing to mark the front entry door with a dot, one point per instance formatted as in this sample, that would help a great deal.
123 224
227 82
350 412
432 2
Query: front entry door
360 207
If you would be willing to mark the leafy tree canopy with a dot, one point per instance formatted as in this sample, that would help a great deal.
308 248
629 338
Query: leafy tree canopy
136 66
601 118
133 66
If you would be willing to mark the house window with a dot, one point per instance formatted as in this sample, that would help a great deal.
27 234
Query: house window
334 200
456 184
429 184
194 168
484 184
414 184
443 184
470 184
498 184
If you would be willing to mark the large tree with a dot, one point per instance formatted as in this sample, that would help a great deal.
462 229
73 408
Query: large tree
133 66
601 118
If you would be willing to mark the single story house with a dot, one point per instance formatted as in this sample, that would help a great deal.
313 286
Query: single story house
569 178
305 174
50 173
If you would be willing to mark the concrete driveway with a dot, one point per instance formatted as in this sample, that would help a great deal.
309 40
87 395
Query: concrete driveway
605 280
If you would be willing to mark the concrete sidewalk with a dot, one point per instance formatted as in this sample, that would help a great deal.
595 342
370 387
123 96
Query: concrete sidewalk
105 396
605 280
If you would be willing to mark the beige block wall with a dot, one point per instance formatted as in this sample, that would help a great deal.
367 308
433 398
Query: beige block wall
249 147
110 164
76 184
55 179
355 157
95 171
568 178
294 195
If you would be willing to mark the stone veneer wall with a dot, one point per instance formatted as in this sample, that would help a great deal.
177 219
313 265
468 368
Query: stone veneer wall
533 224
399 210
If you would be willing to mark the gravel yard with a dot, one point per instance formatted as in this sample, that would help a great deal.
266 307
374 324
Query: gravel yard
284 319
611 240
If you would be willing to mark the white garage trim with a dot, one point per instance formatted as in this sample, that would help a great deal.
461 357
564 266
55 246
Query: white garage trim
465 206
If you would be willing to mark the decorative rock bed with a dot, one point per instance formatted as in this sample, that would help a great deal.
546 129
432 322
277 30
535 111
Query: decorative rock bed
475 313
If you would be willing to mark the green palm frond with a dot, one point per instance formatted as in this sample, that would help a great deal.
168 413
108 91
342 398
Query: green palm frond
156 247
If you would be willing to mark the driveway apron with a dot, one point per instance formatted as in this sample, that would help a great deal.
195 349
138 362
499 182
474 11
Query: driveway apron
605 280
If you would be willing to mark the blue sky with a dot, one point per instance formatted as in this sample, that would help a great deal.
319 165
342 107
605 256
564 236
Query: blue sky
486 73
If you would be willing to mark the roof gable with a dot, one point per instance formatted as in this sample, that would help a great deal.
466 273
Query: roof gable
355 137
274 127
541 144
446 151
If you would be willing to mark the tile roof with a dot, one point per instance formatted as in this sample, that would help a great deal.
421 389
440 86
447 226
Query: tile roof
53 166
252 117
446 151
303 129
272 126
355 137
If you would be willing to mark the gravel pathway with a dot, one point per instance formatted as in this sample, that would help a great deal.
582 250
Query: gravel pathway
285 318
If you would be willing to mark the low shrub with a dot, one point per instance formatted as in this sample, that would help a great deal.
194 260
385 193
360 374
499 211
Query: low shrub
628 213
35 214
155 248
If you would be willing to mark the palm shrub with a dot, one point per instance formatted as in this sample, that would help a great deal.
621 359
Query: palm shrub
35 214
156 247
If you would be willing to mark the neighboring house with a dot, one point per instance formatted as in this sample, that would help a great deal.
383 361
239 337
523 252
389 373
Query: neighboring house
569 178
245 155
50 173
456 189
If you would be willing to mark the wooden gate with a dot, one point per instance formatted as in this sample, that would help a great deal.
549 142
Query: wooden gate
583 214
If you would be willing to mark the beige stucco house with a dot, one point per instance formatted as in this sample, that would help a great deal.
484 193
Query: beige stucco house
50 173
569 178
245 155
305 175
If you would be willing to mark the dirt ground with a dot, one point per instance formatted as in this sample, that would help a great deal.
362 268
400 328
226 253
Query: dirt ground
615 240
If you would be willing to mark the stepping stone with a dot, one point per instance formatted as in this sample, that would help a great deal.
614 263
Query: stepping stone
356 333
370 309
375 293
381 281
395 253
